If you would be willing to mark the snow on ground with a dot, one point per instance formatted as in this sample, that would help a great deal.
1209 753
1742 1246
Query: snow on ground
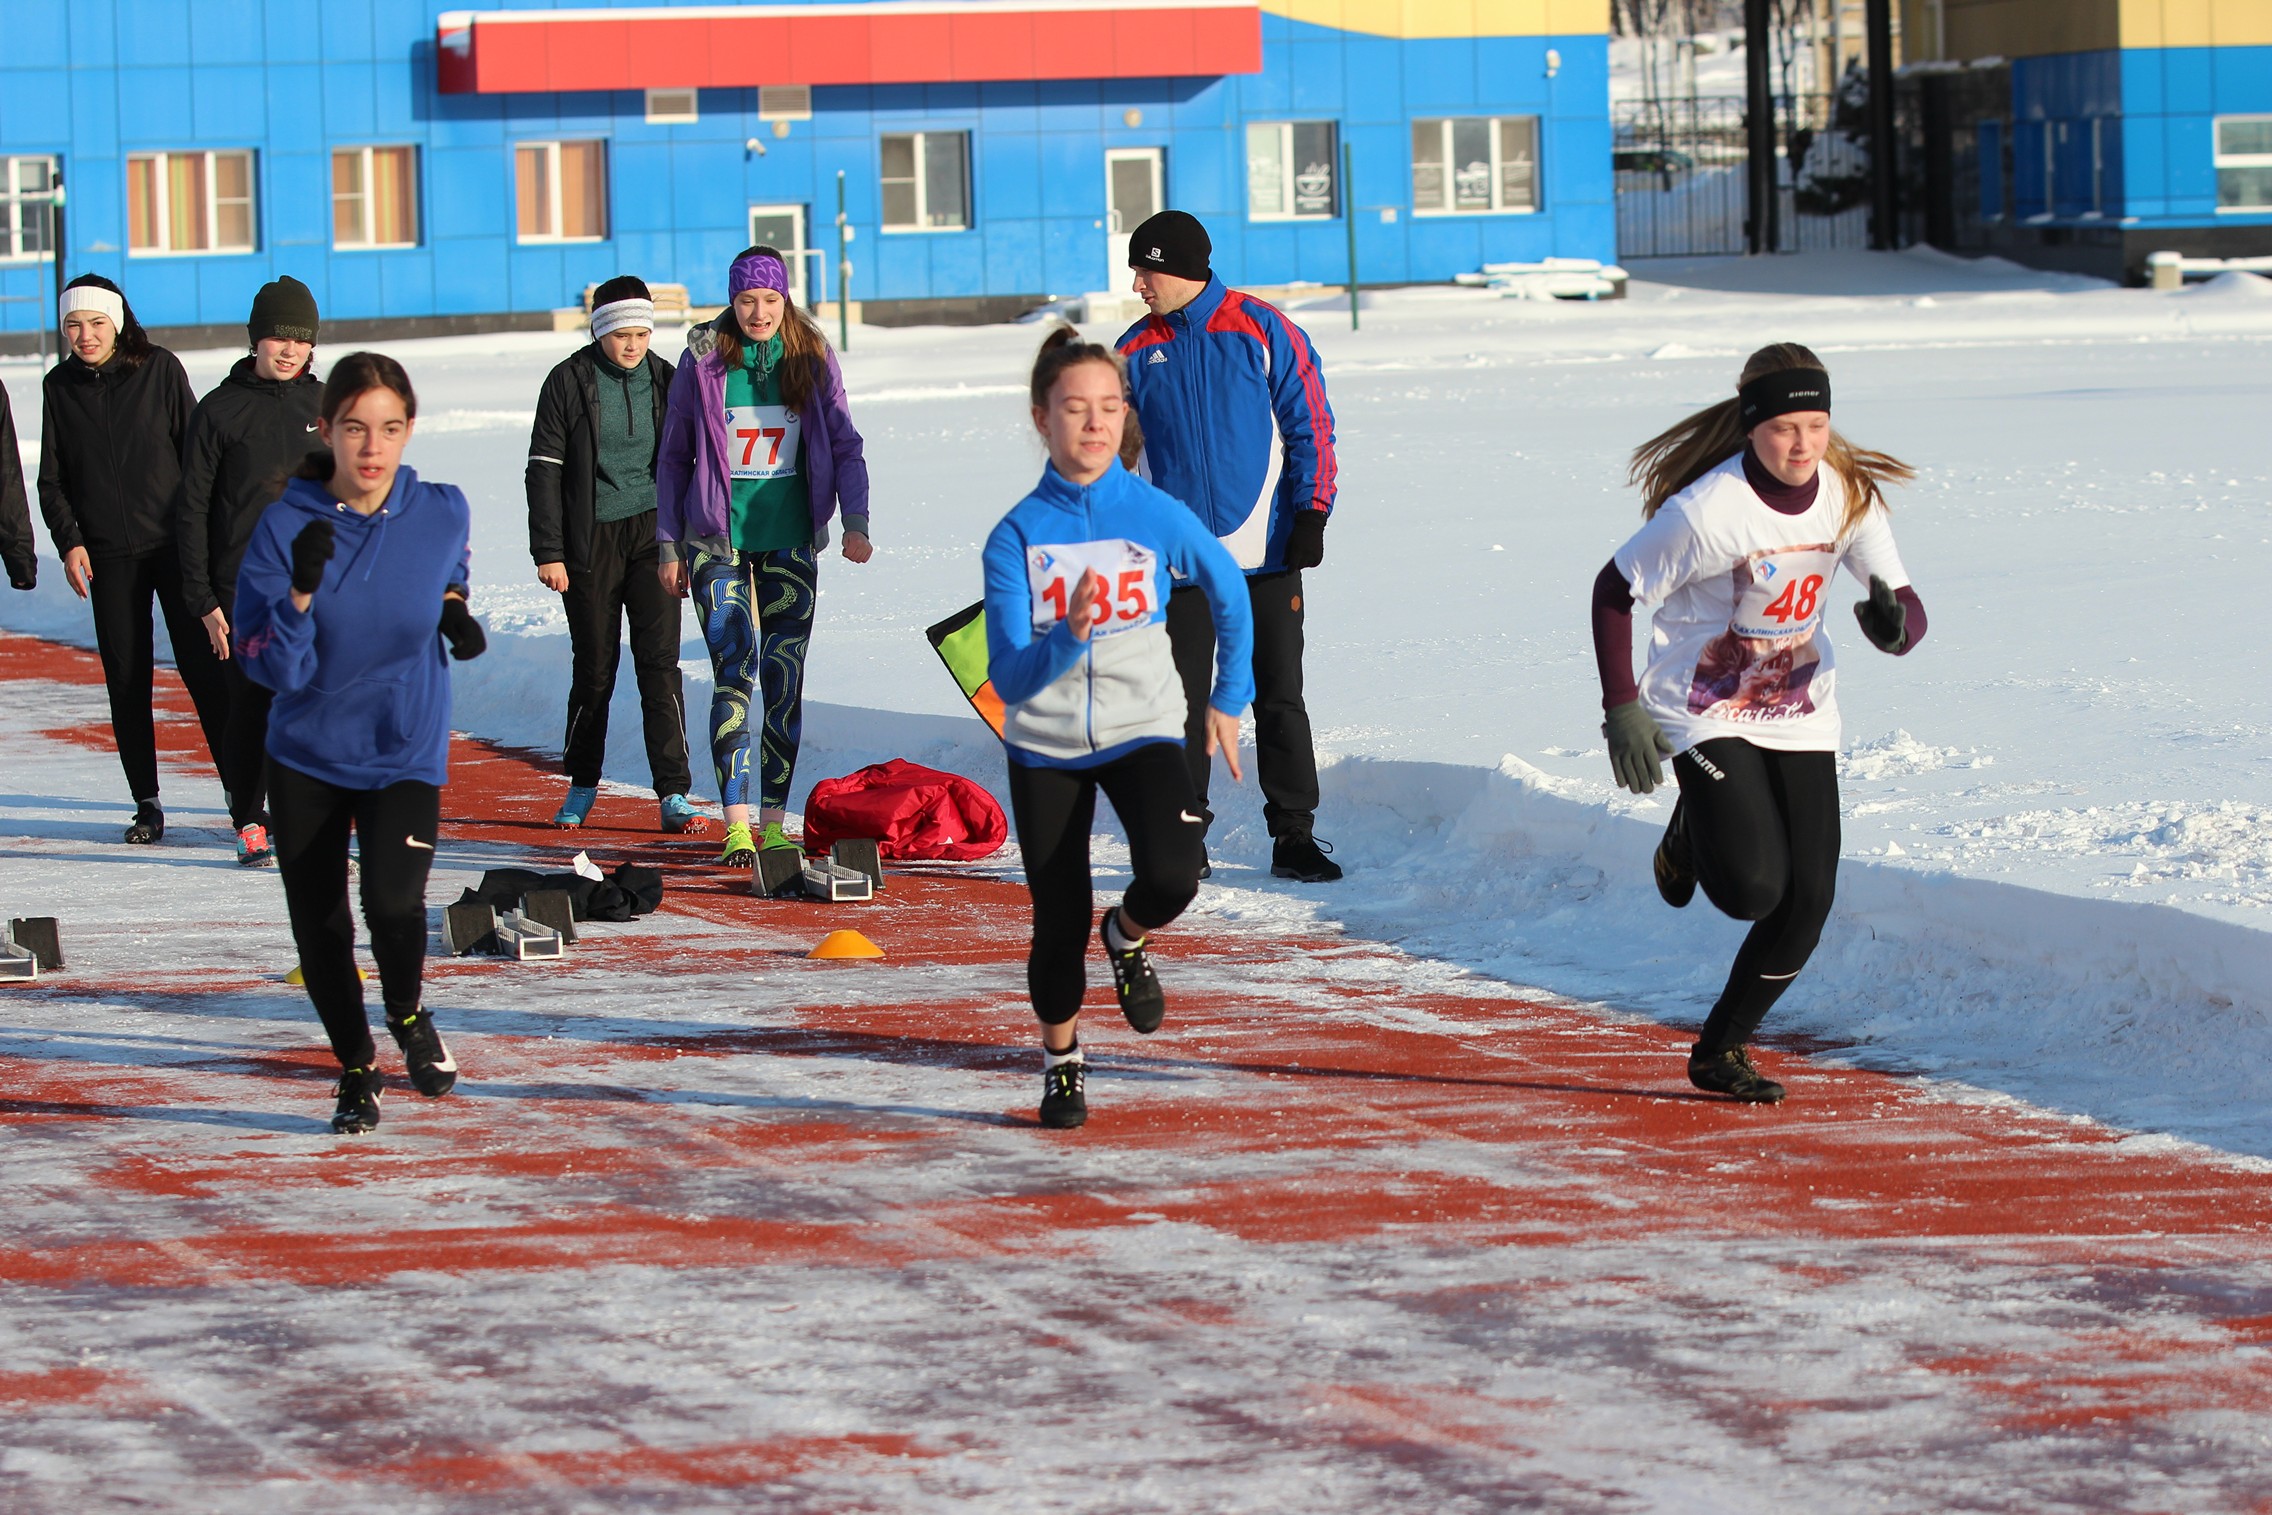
2057 873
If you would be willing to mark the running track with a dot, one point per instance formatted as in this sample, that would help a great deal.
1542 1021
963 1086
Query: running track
712 1227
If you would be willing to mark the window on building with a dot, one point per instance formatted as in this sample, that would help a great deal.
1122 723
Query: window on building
1292 170
561 188
1475 165
25 184
2244 163
926 181
673 107
784 102
189 202
374 197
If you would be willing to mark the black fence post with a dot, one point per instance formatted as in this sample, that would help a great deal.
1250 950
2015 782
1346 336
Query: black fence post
1885 209
1760 231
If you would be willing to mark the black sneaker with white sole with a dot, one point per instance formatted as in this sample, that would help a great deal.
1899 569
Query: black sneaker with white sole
1732 1074
1134 983
358 1110
1063 1104
433 1072
1675 864
1302 858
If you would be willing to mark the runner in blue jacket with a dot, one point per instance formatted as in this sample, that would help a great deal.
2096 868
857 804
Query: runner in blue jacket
1077 580
351 584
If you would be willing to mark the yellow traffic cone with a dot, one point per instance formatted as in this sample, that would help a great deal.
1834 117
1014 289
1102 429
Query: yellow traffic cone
299 981
845 944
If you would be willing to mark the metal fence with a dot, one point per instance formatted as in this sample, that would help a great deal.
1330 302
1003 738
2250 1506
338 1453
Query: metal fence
1682 175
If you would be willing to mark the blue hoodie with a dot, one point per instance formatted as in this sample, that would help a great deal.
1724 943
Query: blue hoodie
1072 704
362 686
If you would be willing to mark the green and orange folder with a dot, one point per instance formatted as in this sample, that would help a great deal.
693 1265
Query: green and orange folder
960 642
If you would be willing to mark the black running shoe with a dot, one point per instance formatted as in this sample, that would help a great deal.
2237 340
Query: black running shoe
1302 857
433 1072
1063 1105
358 1093
1732 1074
1133 981
1675 864
149 824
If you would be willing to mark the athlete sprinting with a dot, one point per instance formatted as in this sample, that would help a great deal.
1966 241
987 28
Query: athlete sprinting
1745 529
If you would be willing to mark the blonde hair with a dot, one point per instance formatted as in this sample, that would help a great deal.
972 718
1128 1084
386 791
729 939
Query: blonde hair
1677 457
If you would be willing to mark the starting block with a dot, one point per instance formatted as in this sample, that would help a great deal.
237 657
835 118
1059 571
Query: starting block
469 926
552 907
861 856
17 965
526 940
824 880
39 936
777 871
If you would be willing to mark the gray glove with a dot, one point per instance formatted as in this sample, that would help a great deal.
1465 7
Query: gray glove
1885 620
1637 746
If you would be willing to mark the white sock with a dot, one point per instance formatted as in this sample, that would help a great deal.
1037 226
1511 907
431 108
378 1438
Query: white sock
1051 1059
1118 940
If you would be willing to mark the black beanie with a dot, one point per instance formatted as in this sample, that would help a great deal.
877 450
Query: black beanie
1172 242
283 309
621 287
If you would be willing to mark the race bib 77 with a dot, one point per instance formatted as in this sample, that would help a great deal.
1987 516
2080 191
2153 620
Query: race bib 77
1054 571
761 441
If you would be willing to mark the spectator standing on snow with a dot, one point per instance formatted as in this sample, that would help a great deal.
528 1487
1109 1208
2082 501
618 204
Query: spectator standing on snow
758 453
245 438
17 549
115 411
1235 425
1744 529
351 585
1077 580
591 489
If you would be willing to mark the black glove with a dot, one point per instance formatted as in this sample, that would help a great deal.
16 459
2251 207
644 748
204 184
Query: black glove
1885 620
23 574
1637 744
461 630
1306 547
311 550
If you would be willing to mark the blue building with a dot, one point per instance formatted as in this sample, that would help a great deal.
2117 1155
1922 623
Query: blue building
429 170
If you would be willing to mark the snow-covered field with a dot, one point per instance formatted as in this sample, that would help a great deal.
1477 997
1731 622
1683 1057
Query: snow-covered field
2059 871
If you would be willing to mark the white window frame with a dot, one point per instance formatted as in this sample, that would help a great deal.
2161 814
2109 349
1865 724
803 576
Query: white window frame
1451 206
369 245
660 103
2223 160
553 238
16 203
162 181
1288 172
784 102
922 224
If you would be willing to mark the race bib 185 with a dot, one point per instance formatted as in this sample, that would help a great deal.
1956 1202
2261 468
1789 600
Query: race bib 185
1054 571
761 441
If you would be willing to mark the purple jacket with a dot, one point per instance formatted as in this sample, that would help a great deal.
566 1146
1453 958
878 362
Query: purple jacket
692 495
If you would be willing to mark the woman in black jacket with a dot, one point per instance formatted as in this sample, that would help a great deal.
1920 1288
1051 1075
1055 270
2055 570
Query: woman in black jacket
110 465
16 547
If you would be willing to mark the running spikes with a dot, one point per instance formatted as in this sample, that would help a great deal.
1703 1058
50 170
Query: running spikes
358 1093
773 838
739 851
680 818
433 1072
1732 1074
1064 1105
253 848
149 824
1302 858
1134 983
1674 864
577 808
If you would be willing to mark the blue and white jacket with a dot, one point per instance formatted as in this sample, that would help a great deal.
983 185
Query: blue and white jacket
1235 420
1073 704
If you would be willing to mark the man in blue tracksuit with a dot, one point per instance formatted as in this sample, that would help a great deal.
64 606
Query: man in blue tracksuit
1235 424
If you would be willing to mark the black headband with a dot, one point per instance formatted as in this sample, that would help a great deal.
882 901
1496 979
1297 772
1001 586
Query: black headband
1779 394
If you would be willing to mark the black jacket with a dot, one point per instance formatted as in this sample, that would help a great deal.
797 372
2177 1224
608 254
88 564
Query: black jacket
244 439
16 548
564 455
110 454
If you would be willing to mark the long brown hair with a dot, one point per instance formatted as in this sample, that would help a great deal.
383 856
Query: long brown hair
352 377
1675 458
804 346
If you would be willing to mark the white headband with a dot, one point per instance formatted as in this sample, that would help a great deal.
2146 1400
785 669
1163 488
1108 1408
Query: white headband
618 313
97 299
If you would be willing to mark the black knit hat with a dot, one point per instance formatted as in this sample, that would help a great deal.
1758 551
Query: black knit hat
283 309
1172 242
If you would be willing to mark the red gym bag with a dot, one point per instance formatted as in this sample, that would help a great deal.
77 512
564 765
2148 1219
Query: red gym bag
913 812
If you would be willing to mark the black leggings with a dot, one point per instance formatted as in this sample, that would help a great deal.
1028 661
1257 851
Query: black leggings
1150 791
1763 829
120 597
396 826
244 757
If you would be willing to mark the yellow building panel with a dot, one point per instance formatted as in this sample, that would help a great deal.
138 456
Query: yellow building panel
1450 18
2197 23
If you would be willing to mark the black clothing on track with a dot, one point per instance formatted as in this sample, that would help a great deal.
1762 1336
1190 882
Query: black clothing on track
396 827
618 578
1054 809
244 744
1285 758
110 454
125 637
244 438
17 549
1762 828
564 455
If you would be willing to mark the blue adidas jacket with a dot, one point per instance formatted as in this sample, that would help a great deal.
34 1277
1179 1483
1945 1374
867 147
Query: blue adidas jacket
1072 704
362 684
1235 419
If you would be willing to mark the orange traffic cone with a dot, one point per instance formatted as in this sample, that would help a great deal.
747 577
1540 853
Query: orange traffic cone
845 944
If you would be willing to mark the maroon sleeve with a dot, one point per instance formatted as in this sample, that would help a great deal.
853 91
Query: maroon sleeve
1613 636
1914 624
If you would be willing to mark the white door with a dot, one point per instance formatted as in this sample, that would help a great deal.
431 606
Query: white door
1134 193
783 226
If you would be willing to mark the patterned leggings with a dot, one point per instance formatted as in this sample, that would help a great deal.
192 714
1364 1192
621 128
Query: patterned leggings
757 617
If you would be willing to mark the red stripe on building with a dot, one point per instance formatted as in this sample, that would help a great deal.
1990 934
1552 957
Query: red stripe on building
891 42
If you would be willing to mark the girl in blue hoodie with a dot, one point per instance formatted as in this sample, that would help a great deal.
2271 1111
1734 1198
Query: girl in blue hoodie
1077 583
351 585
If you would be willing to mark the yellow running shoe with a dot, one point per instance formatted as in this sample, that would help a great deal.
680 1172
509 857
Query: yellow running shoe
738 851
773 837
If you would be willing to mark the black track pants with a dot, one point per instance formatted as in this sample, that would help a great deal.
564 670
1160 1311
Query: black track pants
244 755
1054 809
124 636
396 827
619 581
1285 758
1763 828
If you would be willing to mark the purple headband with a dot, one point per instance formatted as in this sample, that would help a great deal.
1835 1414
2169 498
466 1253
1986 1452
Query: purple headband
757 271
